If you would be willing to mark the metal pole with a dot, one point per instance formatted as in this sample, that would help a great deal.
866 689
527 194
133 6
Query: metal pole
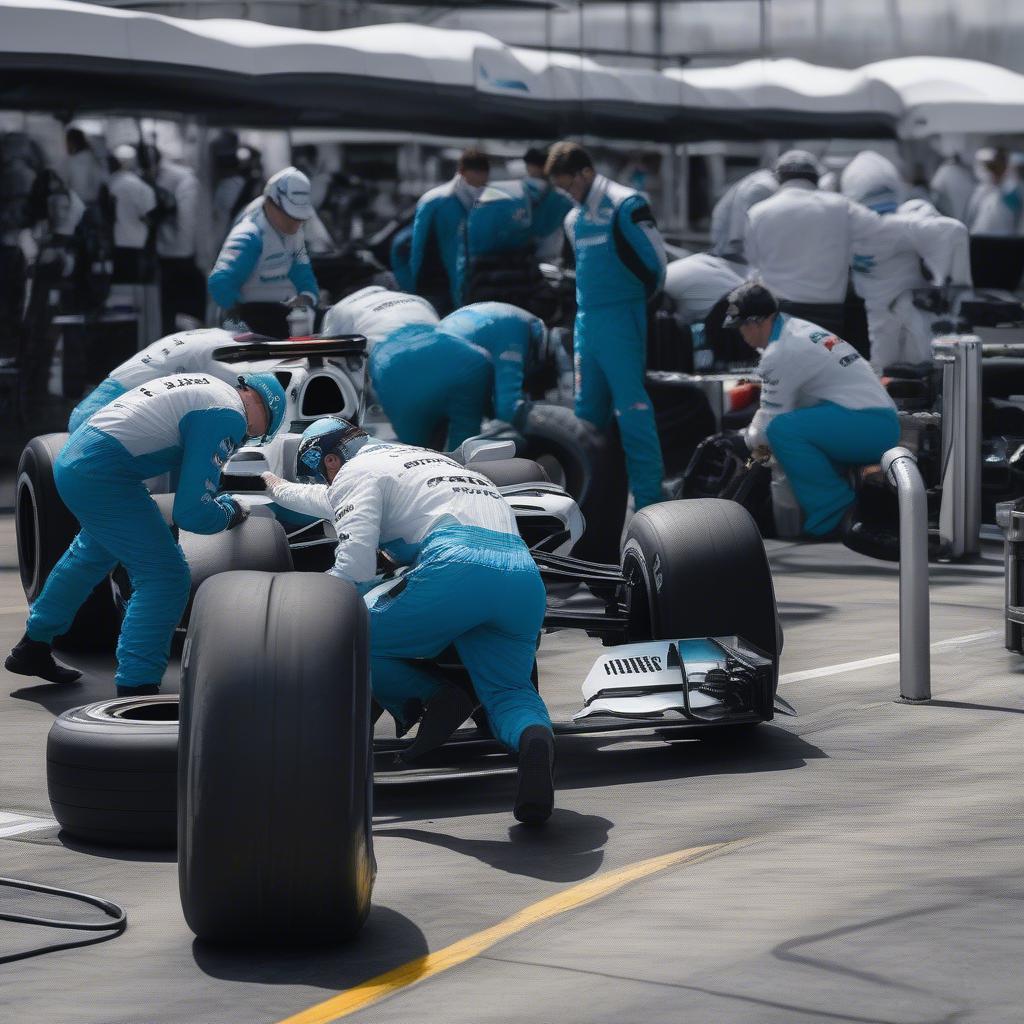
900 469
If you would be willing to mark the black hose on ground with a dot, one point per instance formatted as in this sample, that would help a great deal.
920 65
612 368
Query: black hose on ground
114 927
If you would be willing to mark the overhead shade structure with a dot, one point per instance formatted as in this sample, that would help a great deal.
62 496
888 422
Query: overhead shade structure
791 99
949 95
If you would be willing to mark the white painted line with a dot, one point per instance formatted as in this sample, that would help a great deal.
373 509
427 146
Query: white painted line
14 609
883 659
12 824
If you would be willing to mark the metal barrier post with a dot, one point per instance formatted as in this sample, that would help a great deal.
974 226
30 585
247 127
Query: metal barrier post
900 469
960 510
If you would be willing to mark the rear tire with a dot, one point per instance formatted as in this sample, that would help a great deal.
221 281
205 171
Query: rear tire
275 771
45 529
698 568
111 771
591 467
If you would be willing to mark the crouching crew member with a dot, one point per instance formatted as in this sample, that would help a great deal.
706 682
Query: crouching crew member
821 405
188 424
472 583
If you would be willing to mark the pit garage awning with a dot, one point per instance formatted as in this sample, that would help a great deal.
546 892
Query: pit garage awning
948 95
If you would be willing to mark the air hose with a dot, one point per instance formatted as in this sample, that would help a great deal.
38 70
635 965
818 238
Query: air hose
111 929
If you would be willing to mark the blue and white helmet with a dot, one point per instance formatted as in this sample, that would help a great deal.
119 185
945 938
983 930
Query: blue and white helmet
268 387
330 435
290 189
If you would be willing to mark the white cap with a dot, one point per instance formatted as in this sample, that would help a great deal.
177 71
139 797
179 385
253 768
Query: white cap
290 189
125 154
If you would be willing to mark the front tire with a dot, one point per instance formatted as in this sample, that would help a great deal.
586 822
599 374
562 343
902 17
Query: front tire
274 767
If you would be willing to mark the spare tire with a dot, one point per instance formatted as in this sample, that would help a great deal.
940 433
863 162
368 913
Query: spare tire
275 769
699 568
45 529
591 467
111 771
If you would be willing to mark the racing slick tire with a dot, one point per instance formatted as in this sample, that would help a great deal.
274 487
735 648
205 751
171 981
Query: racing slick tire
45 528
111 771
591 467
699 568
275 768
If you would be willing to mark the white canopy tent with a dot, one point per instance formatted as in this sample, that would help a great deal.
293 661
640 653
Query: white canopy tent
946 95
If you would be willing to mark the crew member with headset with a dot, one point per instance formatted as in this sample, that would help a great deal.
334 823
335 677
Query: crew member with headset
822 407
188 424
472 583
801 240
264 257
620 265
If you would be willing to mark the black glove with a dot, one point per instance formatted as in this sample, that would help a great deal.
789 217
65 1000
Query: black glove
238 512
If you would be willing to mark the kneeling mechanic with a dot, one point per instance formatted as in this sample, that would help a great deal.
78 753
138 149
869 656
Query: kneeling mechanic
822 407
187 424
472 583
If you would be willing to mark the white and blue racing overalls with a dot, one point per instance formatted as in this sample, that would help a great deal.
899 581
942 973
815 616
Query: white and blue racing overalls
620 265
472 582
191 424
259 264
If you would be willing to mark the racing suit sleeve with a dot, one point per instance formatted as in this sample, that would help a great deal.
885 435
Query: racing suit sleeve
422 225
236 262
874 238
306 499
639 243
944 245
301 274
208 438
509 368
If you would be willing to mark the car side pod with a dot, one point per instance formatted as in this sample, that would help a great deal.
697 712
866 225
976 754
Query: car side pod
274 761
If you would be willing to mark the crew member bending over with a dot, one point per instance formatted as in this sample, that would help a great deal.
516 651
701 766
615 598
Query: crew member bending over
821 405
189 424
472 583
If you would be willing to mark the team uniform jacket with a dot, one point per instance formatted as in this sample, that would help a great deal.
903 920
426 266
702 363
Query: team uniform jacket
507 334
439 231
729 217
375 313
192 422
259 264
620 255
393 496
802 240
804 365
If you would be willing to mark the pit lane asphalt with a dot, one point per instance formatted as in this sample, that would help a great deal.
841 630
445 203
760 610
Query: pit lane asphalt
878 877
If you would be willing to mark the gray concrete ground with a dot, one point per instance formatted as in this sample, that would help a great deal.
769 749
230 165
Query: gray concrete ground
876 874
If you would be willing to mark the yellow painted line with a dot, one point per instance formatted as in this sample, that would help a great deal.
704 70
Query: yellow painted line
375 989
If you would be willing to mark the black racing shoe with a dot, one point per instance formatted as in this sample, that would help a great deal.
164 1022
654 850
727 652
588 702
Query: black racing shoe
146 690
442 715
535 795
35 658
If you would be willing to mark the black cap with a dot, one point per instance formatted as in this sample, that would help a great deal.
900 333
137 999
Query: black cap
749 301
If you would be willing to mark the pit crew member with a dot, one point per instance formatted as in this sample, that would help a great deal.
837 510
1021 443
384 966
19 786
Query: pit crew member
899 331
376 313
620 264
264 257
190 424
472 583
821 406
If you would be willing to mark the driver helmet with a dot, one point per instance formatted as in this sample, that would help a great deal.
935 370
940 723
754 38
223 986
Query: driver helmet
797 164
749 302
291 190
331 435
268 387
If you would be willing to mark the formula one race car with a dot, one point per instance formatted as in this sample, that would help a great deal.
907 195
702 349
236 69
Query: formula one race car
275 678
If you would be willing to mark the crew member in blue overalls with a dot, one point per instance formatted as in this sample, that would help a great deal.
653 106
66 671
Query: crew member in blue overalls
472 583
264 257
189 424
549 206
620 266
513 340
822 407
439 248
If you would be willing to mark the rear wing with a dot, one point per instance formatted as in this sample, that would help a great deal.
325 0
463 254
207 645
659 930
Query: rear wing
294 348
